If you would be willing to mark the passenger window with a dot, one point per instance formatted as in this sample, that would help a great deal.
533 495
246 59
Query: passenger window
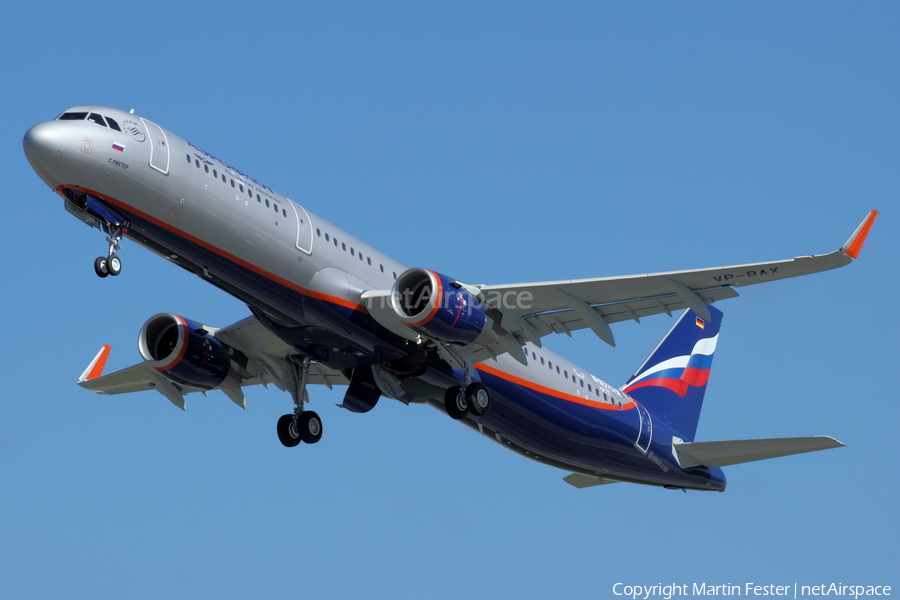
196 163
258 199
283 213
550 363
249 193
557 368
76 116
113 124
335 242
241 186
533 356
581 381
566 374
326 237
188 158
223 178
267 203
382 268
395 274
319 232
589 388
95 118
274 206
344 247
352 251
369 260
542 360
232 183
206 168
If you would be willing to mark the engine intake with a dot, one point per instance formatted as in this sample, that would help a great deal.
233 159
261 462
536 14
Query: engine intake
437 306
184 351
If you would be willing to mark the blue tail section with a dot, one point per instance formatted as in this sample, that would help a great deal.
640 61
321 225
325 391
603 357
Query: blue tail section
672 381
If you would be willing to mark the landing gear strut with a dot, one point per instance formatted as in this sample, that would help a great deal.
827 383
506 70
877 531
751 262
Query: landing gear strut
302 425
110 264
473 398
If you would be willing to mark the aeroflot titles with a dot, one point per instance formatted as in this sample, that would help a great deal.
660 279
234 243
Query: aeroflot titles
749 589
232 169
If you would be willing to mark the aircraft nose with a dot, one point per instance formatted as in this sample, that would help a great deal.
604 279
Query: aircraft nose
43 145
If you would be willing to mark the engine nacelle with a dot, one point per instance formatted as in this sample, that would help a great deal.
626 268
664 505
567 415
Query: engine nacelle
184 351
437 306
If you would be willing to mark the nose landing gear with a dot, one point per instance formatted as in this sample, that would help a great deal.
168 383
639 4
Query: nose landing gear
113 224
111 264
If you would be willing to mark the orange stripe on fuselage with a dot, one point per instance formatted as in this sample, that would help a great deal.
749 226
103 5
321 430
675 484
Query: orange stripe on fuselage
220 252
551 392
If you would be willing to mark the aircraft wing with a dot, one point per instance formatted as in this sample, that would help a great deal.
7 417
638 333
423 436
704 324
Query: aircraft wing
264 351
530 311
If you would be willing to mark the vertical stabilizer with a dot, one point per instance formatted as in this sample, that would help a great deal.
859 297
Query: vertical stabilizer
672 381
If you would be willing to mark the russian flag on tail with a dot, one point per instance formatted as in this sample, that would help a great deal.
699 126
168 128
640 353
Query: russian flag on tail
672 381
680 373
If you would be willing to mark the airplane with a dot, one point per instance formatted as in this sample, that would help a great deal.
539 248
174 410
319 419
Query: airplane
328 309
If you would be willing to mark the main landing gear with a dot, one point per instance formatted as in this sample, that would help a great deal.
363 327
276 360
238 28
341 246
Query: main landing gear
302 425
110 264
475 400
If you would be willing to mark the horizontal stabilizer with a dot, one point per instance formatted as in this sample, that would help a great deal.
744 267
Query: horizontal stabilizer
582 481
722 454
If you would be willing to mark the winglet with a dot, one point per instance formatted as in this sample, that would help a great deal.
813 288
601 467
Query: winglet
856 241
95 369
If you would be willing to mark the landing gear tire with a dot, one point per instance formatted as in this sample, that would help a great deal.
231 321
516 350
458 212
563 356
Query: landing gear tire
455 403
288 432
478 398
100 267
310 426
113 265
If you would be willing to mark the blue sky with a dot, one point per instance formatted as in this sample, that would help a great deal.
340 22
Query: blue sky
495 142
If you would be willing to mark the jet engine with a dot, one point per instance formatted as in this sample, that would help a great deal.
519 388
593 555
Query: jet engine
437 306
184 351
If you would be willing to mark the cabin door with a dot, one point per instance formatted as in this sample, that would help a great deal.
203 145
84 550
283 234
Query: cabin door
645 429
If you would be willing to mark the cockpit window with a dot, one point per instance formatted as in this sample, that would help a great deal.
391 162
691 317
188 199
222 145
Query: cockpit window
73 116
95 118
113 124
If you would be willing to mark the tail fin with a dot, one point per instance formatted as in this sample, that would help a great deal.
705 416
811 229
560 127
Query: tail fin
672 381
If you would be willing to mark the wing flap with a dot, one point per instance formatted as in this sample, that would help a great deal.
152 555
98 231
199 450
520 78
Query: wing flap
734 452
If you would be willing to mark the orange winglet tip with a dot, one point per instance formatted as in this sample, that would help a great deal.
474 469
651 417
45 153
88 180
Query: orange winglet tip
95 369
855 243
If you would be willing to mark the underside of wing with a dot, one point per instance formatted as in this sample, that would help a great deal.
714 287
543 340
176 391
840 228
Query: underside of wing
533 310
258 357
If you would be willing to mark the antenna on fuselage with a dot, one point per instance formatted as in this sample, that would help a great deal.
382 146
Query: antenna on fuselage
131 111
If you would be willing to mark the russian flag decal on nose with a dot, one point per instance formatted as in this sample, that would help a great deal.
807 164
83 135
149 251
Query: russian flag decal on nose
118 147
